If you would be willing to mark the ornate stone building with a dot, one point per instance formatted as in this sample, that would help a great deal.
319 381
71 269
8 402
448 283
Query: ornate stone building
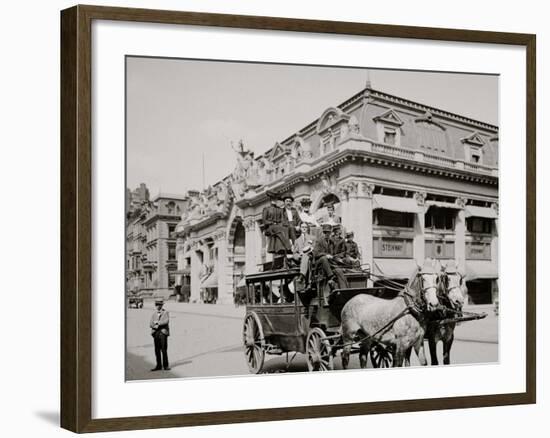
410 180
151 262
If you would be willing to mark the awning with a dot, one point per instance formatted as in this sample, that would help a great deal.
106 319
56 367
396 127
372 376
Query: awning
395 203
242 282
487 212
442 204
478 269
394 268
210 282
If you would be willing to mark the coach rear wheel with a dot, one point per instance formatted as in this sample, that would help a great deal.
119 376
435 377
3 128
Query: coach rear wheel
254 343
318 351
381 356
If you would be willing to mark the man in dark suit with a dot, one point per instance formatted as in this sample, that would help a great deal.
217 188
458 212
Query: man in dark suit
291 218
274 228
338 243
160 330
323 251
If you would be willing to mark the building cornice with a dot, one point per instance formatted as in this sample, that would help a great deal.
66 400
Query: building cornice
336 159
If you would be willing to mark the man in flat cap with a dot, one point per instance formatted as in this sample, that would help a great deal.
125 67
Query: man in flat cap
352 257
160 331
291 218
273 227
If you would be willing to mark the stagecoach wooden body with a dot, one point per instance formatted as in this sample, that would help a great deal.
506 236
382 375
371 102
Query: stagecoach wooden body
282 318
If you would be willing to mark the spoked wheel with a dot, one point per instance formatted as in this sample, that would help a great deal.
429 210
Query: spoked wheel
254 343
318 351
381 356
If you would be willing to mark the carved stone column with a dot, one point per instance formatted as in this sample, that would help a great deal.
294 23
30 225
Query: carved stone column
258 246
250 245
343 194
196 266
419 242
460 235
360 218
224 269
180 257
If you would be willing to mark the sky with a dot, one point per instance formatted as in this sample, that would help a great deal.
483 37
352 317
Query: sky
181 113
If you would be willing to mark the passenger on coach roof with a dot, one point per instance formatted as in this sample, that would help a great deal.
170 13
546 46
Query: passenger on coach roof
331 218
352 257
291 217
274 228
305 216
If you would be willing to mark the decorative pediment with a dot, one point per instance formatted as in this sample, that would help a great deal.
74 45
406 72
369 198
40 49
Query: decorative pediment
474 139
277 151
390 117
330 117
428 118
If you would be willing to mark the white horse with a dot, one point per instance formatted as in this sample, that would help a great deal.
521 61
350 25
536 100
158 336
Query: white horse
398 324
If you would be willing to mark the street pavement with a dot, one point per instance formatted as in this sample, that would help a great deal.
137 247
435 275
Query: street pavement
206 341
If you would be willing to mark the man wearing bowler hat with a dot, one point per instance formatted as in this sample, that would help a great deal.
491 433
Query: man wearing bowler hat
160 331
291 218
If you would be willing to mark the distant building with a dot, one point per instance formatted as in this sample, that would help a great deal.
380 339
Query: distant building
151 244
136 197
410 180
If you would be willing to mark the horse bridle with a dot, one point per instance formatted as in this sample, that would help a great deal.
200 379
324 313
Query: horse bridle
448 291
411 300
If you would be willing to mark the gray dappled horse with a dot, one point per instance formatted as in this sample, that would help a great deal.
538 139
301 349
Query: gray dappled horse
365 316
452 293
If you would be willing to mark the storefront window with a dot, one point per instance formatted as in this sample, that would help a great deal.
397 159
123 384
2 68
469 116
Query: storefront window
479 225
388 218
437 218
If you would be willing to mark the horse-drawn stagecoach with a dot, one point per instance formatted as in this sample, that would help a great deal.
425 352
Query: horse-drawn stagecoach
284 315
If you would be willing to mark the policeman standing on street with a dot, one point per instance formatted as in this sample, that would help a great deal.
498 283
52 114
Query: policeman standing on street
160 331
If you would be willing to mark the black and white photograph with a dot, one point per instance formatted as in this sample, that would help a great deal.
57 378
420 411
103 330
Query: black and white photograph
294 218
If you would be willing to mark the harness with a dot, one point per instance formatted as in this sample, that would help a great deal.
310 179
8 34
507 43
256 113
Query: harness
412 307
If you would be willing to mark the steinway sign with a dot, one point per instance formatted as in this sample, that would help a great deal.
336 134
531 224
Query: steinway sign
393 247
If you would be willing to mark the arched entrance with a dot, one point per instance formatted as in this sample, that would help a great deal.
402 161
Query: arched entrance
236 254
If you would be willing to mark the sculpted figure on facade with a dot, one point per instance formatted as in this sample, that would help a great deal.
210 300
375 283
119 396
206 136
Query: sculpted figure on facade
353 125
327 185
222 193
420 198
195 210
367 189
461 202
331 140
